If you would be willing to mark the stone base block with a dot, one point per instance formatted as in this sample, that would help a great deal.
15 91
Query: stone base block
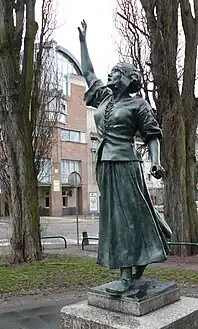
182 314
147 296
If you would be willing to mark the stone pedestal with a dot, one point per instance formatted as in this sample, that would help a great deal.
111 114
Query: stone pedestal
147 296
149 304
182 314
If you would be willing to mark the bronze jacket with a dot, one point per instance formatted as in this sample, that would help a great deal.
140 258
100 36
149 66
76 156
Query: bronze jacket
117 127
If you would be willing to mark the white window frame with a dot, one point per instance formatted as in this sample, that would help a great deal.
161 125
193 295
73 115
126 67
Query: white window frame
81 136
45 175
68 166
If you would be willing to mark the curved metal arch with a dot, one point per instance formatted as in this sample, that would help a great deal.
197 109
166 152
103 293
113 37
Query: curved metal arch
66 53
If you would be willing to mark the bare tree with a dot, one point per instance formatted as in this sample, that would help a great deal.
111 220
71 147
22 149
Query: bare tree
174 85
134 43
25 94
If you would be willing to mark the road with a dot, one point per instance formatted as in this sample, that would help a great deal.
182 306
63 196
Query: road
51 226
68 228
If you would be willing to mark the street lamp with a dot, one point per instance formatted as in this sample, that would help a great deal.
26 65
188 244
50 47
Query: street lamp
74 181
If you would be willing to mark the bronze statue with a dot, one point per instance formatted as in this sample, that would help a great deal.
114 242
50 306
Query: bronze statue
131 233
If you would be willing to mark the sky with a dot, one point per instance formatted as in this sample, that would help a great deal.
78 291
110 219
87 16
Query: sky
101 33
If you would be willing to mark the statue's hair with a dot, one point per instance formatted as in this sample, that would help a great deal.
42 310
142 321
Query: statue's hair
131 72
136 84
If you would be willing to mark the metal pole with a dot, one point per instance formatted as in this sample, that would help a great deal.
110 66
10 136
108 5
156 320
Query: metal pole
77 224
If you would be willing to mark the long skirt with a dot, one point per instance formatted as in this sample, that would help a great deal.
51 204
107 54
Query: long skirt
130 230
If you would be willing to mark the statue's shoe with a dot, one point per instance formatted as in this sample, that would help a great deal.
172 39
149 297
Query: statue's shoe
120 287
139 271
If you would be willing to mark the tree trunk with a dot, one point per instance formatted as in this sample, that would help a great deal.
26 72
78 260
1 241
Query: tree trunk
16 196
176 110
190 185
30 207
26 240
18 118
175 182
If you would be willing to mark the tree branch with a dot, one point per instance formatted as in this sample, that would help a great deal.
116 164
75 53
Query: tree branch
28 58
19 10
187 18
188 23
133 25
196 18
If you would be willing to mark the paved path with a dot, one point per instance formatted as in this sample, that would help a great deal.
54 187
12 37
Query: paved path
40 313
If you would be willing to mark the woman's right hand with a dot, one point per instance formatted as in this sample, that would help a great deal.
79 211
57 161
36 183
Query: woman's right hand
82 31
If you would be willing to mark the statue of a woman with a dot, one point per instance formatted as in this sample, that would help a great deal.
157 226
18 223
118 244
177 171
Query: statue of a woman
131 233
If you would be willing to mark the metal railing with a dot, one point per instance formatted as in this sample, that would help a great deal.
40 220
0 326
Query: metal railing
56 237
192 244
183 243
87 239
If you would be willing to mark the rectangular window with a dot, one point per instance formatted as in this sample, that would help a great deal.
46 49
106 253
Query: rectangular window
47 201
52 108
65 201
63 106
82 137
94 145
67 85
73 136
44 175
62 118
67 166
64 135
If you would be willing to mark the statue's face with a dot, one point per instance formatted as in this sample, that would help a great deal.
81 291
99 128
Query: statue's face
114 77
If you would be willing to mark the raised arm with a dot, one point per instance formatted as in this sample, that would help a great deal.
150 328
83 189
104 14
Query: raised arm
86 64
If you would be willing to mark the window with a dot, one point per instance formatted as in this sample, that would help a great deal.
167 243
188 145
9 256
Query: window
64 199
73 136
67 166
94 145
63 106
45 173
52 108
67 86
65 135
63 111
82 137
64 70
47 200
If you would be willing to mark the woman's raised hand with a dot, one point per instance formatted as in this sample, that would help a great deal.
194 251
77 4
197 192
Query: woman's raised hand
82 31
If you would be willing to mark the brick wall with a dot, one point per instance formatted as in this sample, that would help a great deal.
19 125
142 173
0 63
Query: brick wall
76 120
77 111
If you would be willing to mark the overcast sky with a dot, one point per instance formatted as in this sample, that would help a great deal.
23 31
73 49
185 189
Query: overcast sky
100 35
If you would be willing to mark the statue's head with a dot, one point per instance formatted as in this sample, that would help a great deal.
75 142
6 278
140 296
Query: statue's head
126 77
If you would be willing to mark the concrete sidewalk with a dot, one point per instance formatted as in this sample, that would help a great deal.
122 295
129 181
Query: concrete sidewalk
37 312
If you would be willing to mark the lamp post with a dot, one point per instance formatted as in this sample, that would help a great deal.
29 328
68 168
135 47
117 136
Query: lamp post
74 180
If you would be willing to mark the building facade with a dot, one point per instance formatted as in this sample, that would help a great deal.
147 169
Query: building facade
92 141
56 196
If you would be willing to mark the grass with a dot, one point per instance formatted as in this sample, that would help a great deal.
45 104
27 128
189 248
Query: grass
64 273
